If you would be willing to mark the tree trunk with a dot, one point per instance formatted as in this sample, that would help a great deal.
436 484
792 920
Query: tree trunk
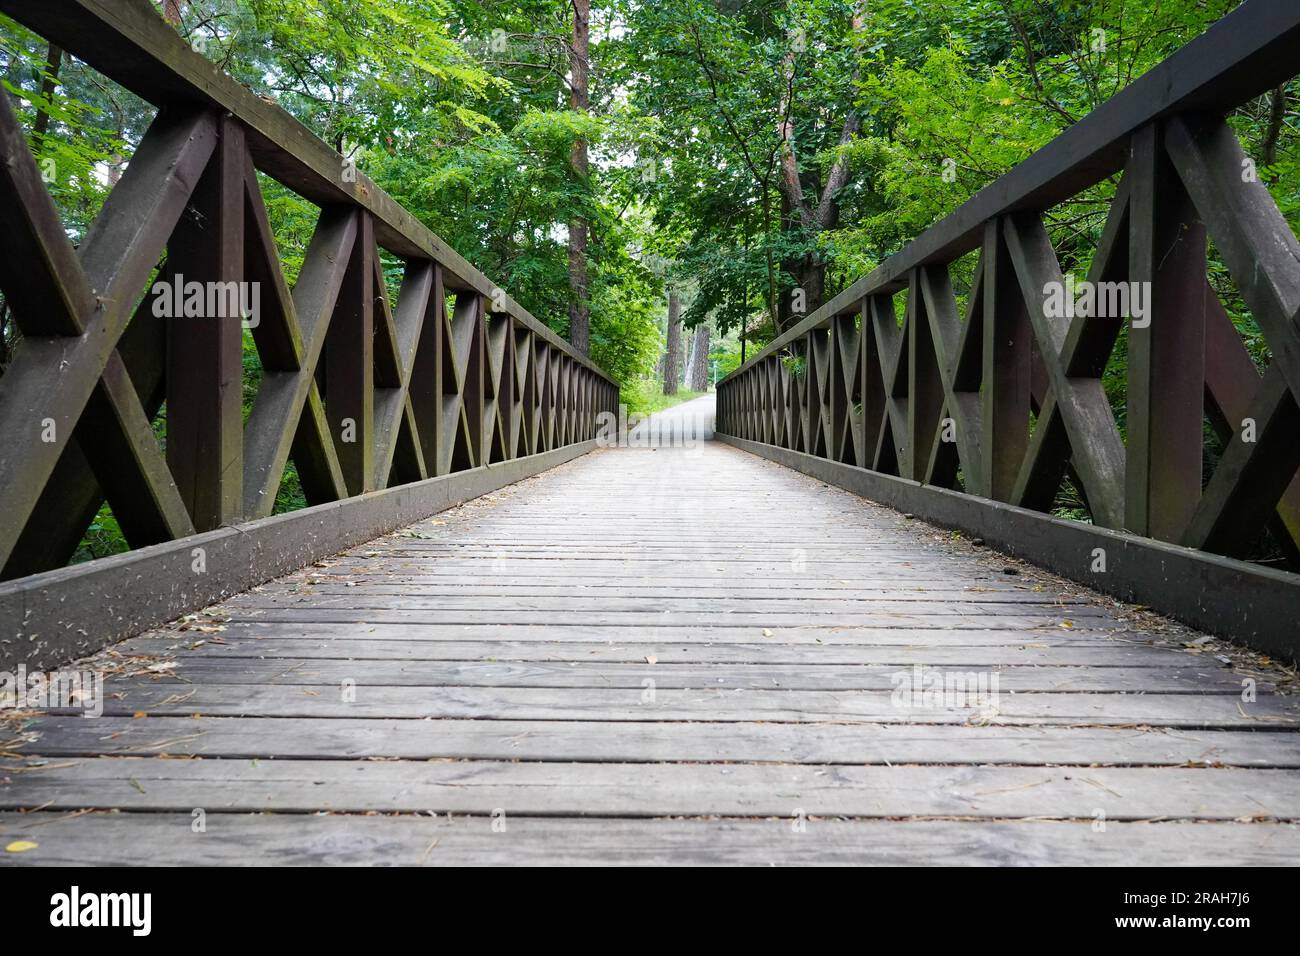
53 60
673 358
821 212
688 373
812 279
700 359
1276 117
579 100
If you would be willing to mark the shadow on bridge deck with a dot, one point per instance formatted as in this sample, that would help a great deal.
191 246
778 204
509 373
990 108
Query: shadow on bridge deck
699 656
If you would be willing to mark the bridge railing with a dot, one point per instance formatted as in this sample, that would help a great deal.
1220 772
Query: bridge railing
363 391
1003 400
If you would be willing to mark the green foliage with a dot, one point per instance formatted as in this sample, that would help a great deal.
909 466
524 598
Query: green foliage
383 73
624 335
102 538
950 94
87 133
647 397
725 358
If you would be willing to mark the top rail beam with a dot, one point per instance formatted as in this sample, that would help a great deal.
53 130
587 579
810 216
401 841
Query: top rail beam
1247 53
129 43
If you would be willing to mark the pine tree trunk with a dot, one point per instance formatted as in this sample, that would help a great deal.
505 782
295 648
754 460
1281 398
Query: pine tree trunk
688 373
579 101
700 360
673 360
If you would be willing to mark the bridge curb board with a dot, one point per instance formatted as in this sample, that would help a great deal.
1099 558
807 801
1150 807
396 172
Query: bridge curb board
1246 602
49 618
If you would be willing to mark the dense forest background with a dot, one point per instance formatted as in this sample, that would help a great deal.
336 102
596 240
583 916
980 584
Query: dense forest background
669 184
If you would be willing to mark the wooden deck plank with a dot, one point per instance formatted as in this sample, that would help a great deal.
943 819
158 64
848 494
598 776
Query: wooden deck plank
631 704
593 605
584 674
654 789
821 636
331 646
764 599
661 741
236 839
950 617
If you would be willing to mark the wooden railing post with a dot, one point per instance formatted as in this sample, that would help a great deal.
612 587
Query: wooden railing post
924 379
205 351
1166 347
1007 336
349 364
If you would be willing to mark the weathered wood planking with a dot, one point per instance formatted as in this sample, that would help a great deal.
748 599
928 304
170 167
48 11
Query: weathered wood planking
655 741
942 616
657 789
710 703
1068 653
590 690
715 676
818 635
237 839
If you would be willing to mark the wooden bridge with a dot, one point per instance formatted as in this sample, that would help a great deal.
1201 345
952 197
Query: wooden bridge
847 628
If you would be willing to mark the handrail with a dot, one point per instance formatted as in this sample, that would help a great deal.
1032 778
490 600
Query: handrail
362 391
